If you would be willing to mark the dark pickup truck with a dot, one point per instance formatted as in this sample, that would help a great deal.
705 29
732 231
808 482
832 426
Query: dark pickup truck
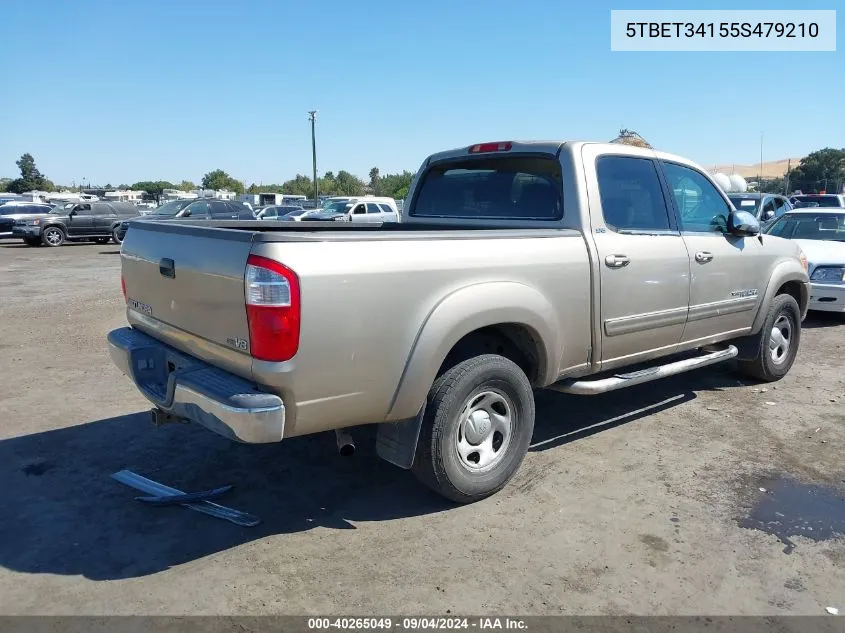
75 221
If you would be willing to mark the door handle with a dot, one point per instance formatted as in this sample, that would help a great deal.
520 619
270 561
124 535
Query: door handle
702 257
617 261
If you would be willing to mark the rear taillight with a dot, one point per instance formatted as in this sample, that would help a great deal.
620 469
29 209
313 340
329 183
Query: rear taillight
272 309
483 148
123 286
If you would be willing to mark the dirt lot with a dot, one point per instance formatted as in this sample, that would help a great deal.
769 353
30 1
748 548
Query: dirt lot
630 503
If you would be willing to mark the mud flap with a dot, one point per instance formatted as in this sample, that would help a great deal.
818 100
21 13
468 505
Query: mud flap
396 442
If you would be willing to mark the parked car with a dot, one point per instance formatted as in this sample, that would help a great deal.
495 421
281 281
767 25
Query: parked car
75 221
13 212
367 209
438 328
296 216
276 212
821 234
822 200
202 209
766 207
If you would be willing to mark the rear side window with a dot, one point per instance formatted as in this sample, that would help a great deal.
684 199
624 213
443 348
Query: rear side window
513 188
221 210
822 201
100 208
631 195
373 208
385 208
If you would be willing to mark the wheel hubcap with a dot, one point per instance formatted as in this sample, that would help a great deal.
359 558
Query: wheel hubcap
53 237
780 339
484 430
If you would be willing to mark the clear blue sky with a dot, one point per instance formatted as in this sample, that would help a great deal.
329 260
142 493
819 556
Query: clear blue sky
120 91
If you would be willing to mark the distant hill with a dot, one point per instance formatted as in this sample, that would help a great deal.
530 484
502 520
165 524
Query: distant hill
771 169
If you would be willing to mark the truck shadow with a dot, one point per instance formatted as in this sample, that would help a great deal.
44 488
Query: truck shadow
818 319
65 515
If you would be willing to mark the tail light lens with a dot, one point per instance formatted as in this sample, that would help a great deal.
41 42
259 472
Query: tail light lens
123 286
483 148
272 309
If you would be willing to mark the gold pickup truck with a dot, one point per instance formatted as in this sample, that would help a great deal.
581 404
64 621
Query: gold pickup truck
574 266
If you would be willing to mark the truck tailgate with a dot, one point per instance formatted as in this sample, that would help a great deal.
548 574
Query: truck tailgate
184 286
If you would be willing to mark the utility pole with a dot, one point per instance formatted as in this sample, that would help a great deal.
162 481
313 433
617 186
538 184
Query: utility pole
312 115
786 180
760 178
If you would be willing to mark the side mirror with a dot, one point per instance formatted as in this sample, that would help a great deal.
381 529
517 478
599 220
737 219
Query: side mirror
187 213
770 214
72 213
743 224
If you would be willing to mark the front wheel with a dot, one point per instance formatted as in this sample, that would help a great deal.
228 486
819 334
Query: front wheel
477 426
53 236
774 348
32 241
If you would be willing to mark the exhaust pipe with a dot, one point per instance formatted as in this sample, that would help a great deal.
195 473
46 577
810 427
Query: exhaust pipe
345 445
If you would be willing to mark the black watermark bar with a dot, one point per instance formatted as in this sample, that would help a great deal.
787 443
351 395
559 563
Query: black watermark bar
295 624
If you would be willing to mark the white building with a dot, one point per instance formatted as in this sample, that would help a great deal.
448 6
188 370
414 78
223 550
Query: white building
177 194
127 195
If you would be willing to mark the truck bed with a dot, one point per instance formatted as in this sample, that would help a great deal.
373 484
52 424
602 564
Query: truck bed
366 294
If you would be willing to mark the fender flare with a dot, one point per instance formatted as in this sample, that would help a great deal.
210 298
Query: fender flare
783 272
462 312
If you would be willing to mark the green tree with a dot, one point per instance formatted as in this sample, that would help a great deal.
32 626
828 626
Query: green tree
186 185
123 187
348 185
31 179
299 186
822 170
153 187
219 179
374 181
396 185
253 189
771 185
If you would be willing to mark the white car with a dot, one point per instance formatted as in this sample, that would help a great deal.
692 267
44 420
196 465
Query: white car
366 209
821 234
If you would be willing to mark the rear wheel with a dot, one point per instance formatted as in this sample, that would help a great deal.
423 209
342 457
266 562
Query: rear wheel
477 426
115 236
774 348
53 236
102 240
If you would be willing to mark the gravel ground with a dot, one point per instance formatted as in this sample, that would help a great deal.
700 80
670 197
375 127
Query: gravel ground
632 503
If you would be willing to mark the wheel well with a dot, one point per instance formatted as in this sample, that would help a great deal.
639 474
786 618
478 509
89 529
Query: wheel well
511 340
795 289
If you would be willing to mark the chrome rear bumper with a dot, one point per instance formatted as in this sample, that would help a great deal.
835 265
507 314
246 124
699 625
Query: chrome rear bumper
189 388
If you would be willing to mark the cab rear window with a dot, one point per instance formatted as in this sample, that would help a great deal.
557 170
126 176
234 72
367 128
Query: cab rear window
501 188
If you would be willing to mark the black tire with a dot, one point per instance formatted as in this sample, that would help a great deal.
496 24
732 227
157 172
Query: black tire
53 236
501 387
116 237
770 360
102 240
32 241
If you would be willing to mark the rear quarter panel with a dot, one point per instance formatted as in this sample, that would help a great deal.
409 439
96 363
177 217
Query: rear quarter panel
369 308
